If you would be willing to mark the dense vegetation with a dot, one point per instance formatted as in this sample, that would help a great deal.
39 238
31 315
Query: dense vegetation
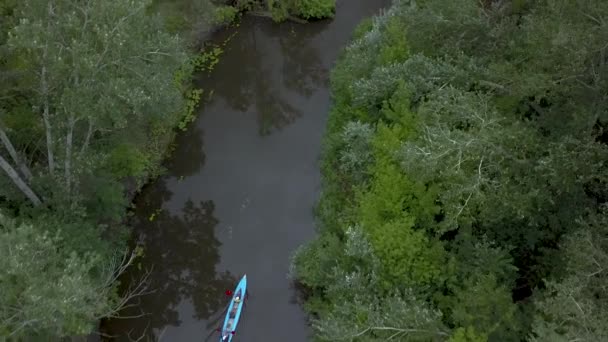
87 109
281 10
464 194
92 94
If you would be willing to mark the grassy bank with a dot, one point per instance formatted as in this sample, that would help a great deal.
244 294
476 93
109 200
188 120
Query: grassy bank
464 177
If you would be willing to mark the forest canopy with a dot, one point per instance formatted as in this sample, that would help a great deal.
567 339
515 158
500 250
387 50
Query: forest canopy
464 176
88 106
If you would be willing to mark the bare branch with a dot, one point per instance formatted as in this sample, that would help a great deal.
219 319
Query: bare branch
13 153
14 176
99 66
466 202
596 20
143 334
22 326
134 292
87 139
393 329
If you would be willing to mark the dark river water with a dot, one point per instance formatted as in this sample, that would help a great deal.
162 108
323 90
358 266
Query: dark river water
240 188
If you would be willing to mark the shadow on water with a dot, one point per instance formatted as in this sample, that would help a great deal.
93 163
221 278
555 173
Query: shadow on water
248 76
182 251
189 143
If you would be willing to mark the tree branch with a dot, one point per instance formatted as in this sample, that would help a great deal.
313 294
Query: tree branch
87 139
14 176
13 153
138 290
393 329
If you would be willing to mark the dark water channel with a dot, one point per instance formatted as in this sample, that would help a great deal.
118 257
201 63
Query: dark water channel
241 185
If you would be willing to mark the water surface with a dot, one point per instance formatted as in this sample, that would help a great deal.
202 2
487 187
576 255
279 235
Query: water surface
241 185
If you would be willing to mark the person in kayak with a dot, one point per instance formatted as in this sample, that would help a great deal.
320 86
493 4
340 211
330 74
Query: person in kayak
233 312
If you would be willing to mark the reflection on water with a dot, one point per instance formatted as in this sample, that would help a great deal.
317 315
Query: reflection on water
183 252
249 77
189 143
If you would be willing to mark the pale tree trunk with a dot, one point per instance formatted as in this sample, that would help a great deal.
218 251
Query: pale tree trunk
87 139
45 95
13 153
68 153
14 176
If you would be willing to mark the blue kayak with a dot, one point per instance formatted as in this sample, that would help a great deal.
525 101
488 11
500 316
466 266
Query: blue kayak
234 311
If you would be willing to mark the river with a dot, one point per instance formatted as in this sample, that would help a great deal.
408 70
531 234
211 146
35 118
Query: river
240 188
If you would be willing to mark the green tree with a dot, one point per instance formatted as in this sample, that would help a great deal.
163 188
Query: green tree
360 313
575 307
97 70
92 83
49 290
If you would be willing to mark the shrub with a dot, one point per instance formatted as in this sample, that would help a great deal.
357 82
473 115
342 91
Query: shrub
315 9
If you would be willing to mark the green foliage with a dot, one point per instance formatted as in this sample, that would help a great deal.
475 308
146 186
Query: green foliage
485 305
189 18
279 10
362 28
245 5
46 290
575 306
103 72
467 334
225 14
7 18
393 47
314 9
105 198
467 142
126 161
193 98
205 61
350 272
407 255
317 260
356 156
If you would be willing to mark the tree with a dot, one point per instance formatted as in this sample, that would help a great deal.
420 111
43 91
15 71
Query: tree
91 84
48 290
97 69
575 307
360 312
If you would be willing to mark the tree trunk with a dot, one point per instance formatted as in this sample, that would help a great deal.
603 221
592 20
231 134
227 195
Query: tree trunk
87 139
45 95
68 154
14 176
13 153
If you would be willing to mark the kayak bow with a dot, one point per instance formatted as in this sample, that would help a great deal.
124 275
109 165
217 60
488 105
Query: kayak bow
234 311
